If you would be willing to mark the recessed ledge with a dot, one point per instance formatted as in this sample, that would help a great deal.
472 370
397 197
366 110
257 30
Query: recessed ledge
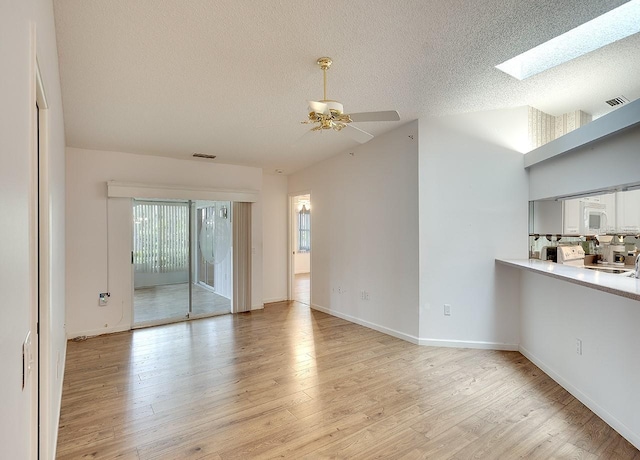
606 282
625 117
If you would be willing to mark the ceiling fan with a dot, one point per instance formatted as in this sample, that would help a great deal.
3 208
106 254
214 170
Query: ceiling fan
329 114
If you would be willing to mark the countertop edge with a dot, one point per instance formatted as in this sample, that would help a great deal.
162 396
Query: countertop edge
605 282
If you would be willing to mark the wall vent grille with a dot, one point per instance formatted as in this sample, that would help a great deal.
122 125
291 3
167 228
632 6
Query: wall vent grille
204 155
617 101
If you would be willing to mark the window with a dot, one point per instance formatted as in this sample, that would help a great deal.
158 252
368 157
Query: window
304 229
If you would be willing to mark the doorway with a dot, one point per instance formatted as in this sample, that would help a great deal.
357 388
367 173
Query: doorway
300 248
181 260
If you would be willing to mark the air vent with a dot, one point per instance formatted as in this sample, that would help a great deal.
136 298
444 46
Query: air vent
204 155
617 101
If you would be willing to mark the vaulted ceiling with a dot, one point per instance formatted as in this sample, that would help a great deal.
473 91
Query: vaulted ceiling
232 78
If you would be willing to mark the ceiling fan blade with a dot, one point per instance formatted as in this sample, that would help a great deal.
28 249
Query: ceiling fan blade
389 115
319 107
357 134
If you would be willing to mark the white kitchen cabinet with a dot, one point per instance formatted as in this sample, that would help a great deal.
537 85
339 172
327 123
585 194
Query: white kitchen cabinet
576 214
628 211
609 200
571 216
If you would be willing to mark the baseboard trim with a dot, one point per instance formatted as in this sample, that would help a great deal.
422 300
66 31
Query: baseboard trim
417 340
275 300
361 322
469 344
97 332
605 415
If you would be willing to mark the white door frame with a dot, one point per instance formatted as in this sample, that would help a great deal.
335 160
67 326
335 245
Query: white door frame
41 312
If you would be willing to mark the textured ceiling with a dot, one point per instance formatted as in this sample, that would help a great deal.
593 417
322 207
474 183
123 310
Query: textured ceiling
231 77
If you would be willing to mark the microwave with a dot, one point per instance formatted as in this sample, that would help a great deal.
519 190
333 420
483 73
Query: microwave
593 218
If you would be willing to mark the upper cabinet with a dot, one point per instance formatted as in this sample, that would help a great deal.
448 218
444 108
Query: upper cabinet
571 217
628 211
609 202
616 212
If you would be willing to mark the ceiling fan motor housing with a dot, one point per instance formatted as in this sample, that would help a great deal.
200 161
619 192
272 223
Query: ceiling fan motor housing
335 107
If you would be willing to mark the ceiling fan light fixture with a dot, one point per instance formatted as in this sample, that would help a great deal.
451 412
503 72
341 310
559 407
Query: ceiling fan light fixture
329 114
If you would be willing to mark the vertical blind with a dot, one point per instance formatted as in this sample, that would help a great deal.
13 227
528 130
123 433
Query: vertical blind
242 254
160 237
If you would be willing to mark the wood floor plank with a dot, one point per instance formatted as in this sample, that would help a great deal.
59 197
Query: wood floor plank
290 382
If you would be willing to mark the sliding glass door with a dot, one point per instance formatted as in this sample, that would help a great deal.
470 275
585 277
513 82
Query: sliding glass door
179 250
211 293
160 261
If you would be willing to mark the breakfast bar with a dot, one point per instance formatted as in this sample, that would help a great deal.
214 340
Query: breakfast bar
624 286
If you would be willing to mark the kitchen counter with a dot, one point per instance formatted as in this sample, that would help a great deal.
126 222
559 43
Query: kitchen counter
612 284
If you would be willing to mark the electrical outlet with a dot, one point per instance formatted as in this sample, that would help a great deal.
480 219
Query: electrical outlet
366 295
447 309
579 347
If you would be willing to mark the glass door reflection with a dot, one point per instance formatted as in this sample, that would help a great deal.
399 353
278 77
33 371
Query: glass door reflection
211 291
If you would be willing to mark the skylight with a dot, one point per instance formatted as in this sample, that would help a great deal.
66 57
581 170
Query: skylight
615 25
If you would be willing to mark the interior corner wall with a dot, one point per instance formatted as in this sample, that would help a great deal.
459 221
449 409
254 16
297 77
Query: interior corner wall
20 23
87 228
364 232
473 209
275 250
606 163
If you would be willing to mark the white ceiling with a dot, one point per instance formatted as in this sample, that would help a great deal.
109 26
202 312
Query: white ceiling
231 77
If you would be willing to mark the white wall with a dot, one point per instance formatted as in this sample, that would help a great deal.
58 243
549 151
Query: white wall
605 377
364 232
601 165
274 226
87 174
28 28
473 209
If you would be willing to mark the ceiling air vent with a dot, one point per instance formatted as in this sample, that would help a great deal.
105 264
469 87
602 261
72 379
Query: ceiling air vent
204 155
617 101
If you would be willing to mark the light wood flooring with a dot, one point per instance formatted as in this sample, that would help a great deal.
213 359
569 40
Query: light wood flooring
302 288
158 303
292 382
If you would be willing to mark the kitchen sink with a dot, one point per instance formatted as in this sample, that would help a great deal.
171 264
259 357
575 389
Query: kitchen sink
613 270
